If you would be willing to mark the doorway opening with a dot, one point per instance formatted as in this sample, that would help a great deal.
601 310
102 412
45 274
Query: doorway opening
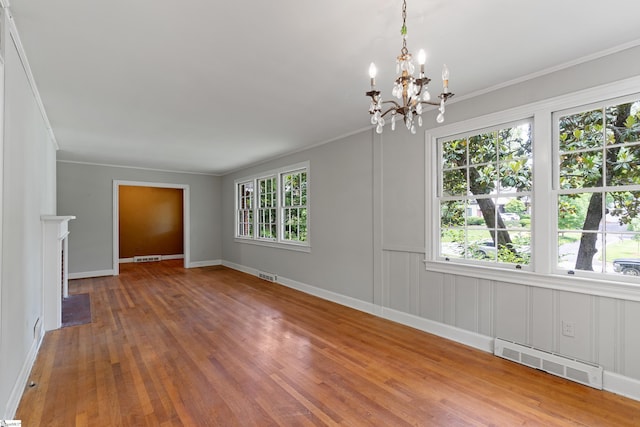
151 186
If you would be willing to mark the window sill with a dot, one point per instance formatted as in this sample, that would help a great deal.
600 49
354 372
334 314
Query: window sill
557 281
272 244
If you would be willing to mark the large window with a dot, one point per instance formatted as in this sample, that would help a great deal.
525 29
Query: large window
485 195
597 188
277 212
552 200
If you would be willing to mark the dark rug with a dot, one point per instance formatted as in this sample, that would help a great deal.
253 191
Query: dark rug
76 310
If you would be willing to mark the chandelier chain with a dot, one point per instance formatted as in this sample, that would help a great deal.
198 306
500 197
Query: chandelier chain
403 30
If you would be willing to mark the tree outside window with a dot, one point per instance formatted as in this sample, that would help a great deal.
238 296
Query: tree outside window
485 195
598 188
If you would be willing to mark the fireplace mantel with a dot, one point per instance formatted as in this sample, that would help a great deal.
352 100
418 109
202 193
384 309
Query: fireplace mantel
55 273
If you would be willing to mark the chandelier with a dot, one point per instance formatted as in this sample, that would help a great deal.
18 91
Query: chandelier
411 91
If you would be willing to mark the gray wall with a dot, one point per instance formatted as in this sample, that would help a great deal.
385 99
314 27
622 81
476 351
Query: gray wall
86 191
368 236
28 191
341 238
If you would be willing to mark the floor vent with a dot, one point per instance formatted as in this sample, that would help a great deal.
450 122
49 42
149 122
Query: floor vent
269 277
147 258
562 366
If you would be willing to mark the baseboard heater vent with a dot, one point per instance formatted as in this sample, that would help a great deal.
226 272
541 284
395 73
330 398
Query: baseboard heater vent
269 277
562 366
147 258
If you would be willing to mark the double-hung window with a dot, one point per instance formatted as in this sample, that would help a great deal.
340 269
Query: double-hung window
244 210
597 188
556 195
267 208
272 208
484 195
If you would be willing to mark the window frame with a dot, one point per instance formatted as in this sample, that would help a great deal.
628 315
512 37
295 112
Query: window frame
543 272
468 196
279 241
557 191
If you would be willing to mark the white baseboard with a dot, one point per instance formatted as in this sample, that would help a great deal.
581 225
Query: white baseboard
244 269
211 263
612 382
89 274
619 384
462 336
21 382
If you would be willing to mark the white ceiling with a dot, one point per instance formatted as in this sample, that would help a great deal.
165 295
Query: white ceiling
209 86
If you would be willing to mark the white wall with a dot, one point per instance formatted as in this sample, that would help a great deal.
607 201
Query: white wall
29 182
381 264
86 191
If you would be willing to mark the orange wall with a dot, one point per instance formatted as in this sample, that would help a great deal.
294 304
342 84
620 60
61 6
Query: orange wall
150 221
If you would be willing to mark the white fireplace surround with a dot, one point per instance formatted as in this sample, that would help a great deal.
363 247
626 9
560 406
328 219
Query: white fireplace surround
55 277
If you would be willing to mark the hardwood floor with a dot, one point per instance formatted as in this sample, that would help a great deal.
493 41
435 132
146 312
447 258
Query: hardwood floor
212 346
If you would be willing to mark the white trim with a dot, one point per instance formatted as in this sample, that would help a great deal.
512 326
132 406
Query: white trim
581 285
212 263
550 70
619 384
279 242
13 30
402 248
453 333
290 246
186 223
135 167
89 274
21 382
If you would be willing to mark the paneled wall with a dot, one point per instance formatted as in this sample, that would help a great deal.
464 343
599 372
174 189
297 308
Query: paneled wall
28 191
606 332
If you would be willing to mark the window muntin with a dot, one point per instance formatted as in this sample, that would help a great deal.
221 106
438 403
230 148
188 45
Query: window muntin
485 195
244 220
597 189
294 205
272 208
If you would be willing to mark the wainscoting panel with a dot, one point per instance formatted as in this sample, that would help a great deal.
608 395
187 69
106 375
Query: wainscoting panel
631 339
467 303
511 312
605 332
431 302
576 309
542 318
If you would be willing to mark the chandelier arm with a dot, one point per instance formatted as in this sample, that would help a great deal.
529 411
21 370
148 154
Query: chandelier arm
444 96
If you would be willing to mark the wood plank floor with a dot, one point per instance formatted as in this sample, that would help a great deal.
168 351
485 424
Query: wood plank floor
212 346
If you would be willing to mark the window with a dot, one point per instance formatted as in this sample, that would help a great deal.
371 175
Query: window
597 188
279 213
267 207
245 209
485 195
294 205
545 194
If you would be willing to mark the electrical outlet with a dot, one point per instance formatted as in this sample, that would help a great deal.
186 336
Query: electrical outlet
568 329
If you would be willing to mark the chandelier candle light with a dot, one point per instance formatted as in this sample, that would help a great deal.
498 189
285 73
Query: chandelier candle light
411 90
